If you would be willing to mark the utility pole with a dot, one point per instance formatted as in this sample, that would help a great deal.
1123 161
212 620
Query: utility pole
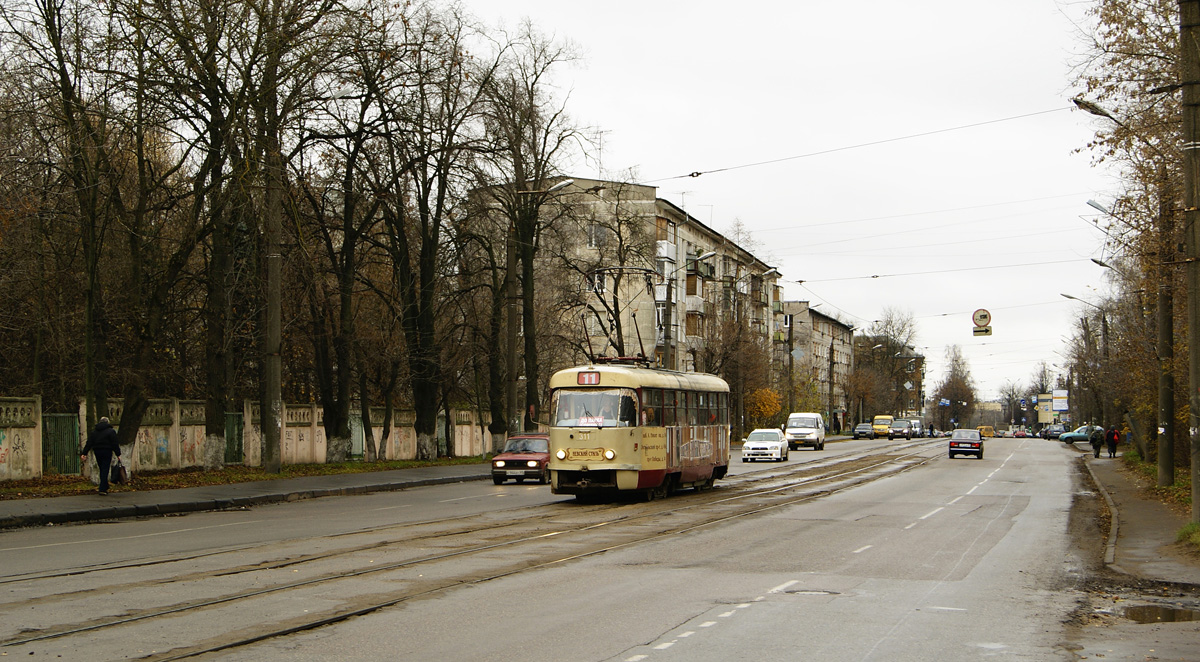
830 421
791 365
1166 339
1189 73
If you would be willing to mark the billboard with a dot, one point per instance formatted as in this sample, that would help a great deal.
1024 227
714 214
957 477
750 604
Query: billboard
1060 400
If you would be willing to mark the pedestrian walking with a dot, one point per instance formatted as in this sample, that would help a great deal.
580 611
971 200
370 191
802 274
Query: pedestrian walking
102 442
1096 437
1112 438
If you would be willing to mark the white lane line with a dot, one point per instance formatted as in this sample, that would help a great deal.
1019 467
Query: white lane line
664 646
726 614
910 526
744 605
931 513
784 586
972 489
954 501
461 499
947 608
636 658
404 505
685 635
862 549
708 624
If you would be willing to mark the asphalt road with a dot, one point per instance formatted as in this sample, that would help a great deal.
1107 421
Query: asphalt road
924 558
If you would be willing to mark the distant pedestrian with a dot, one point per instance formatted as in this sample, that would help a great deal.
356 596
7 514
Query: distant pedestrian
1112 438
1096 437
102 442
931 430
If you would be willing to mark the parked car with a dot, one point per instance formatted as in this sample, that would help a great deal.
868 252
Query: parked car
765 444
1053 431
524 456
1081 433
805 429
1020 434
900 428
966 442
864 431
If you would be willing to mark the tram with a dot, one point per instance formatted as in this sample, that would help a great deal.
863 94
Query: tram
629 429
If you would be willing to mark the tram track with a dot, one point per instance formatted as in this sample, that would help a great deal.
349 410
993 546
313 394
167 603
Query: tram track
485 549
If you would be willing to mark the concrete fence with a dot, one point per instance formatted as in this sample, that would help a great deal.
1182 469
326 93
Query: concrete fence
172 436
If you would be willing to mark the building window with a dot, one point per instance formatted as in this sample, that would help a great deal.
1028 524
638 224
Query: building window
597 235
695 324
693 285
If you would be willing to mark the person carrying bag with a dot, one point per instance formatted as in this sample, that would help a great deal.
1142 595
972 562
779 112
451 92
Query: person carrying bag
103 443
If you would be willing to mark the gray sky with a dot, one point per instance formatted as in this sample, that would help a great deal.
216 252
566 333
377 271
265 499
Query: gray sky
832 132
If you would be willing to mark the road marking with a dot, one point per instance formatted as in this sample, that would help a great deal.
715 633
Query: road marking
784 586
973 489
862 549
931 513
461 499
910 526
687 634
954 501
406 505
947 608
636 658
664 646
708 624
743 605
726 614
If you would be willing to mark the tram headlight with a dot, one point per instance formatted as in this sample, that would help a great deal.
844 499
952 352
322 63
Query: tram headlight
561 454
499 464
609 454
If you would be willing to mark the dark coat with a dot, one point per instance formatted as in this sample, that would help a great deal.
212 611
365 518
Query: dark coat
103 437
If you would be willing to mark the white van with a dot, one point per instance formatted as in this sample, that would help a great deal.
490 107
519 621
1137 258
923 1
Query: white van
805 429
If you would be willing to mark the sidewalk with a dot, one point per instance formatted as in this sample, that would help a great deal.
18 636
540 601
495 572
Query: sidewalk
58 510
1143 529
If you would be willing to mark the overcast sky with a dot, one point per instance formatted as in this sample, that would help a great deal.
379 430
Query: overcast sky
918 155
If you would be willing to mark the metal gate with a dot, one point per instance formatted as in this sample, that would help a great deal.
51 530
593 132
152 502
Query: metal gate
234 429
60 443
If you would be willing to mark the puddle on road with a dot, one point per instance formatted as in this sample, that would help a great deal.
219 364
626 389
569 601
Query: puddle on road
1158 614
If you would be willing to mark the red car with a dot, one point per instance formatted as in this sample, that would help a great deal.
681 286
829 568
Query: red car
524 456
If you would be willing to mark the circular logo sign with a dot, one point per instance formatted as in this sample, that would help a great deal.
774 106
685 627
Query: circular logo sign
981 317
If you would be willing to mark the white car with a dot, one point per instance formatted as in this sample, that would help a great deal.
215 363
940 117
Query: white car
765 444
805 429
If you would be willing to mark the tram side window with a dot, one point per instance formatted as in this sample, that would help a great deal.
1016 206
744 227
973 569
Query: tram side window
704 413
652 406
691 408
628 415
723 408
669 407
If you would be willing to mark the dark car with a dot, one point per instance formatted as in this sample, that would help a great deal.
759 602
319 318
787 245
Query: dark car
524 456
900 428
864 431
1053 431
966 442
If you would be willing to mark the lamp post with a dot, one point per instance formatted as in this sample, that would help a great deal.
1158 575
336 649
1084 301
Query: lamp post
1099 384
1164 305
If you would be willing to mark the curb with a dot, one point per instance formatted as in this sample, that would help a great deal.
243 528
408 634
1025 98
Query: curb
1110 549
213 504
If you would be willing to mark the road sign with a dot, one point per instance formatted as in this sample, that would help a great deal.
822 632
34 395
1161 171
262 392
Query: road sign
1023 403
981 317
982 330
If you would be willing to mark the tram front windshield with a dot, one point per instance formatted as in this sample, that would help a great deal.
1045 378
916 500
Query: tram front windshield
601 408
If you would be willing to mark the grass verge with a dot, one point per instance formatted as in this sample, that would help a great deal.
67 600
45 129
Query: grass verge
1178 494
60 485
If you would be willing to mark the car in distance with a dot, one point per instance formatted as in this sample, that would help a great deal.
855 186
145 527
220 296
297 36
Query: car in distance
881 425
900 428
524 456
966 442
919 429
986 431
863 431
805 429
1081 433
765 444
1053 431
1020 434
